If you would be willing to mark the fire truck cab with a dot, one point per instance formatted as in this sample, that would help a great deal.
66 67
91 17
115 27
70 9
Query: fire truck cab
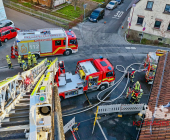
91 74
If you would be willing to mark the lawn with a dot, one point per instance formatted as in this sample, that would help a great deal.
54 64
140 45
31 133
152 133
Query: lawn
100 1
70 12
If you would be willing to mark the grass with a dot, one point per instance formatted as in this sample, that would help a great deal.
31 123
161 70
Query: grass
27 5
100 1
61 5
69 11
16 1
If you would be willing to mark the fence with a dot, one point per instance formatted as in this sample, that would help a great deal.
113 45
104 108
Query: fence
120 108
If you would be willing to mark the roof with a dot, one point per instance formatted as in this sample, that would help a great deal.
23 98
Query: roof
5 28
98 64
99 9
133 2
160 128
5 21
40 34
88 67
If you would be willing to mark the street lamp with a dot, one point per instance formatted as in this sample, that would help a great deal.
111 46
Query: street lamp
84 5
131 18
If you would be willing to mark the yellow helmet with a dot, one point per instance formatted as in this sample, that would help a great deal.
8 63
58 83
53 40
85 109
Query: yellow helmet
28 57
33 55
29 52
23 61
7 56
19 56
137 82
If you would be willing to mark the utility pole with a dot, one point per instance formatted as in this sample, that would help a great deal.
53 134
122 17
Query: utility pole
85 5
131 17
142 32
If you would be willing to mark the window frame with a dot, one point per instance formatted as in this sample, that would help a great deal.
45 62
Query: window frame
168 27
139 23
166 11
147 5
56 41
64 42
110 75
155 23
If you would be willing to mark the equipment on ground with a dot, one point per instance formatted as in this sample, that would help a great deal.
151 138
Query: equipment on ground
91 74
46 42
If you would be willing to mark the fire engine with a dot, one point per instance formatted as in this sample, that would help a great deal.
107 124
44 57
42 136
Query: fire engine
91 74
46 42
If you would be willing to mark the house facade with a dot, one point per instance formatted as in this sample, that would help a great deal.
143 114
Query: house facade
154 17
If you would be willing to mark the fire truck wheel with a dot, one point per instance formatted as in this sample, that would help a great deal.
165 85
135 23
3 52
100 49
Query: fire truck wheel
102 87
5 40
67 52
61 98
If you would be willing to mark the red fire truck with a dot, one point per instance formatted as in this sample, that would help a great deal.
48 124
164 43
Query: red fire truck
46 42
91 74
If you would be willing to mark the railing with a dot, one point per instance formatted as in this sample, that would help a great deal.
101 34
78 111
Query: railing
13 88
43 90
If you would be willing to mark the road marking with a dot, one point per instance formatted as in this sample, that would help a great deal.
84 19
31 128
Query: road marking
75 28
118 14
131 48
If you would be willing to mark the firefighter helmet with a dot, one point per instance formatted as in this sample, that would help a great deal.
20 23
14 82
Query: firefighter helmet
7 56
29 52
33 55
19 56
29 58
137 82
23 61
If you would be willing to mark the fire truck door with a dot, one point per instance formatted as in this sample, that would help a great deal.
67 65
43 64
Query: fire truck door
58 47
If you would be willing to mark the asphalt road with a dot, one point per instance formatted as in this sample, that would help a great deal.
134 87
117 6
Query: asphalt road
95 39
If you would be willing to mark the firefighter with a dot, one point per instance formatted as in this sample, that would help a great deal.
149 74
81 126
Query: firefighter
139 96
29 62
30 55
20 61
24 65
132 76
133 97
9 62
0 43
137 86
129 91
34 60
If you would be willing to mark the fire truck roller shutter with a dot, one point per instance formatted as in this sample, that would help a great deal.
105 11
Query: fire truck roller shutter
45 46
34 47
103 86
23 48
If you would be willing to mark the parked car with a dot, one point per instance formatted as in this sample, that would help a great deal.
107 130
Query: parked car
120 1
7 33
97 14
6 23
111 5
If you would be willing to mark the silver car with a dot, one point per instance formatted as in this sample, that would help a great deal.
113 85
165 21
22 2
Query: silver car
6 22
112 4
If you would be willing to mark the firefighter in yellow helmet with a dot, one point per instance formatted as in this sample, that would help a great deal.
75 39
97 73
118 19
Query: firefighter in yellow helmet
30 55
29 62
9 62
137 86
24 65
34 60
20 61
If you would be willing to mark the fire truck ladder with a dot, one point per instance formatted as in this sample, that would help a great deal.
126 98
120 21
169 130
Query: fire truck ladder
15 102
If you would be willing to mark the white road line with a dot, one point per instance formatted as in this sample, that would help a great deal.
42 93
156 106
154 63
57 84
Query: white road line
133 48
75 28
127 47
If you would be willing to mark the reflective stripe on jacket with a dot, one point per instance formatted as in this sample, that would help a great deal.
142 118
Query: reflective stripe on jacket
8 61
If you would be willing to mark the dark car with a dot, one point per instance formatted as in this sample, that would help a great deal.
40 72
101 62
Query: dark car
97 14
120 1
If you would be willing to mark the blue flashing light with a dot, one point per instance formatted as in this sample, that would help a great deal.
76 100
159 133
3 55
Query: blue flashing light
101 57
69 30
72 35
18 41
109 68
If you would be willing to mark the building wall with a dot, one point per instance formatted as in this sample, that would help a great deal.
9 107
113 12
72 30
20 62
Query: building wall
150 17
2 11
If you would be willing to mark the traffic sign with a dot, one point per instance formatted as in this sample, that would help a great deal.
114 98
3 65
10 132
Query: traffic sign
144 29
84 5
134 5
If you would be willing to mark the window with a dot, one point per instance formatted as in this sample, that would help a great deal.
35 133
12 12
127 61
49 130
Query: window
73 42
140 21
58 42
149 5
157 24
168 27
103 63
109 74
64 42
10 23
159 39
167 8
13 30
3 33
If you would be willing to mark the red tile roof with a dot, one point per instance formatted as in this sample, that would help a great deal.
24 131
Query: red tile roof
161 123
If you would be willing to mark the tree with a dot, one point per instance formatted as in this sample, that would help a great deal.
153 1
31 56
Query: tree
74 3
